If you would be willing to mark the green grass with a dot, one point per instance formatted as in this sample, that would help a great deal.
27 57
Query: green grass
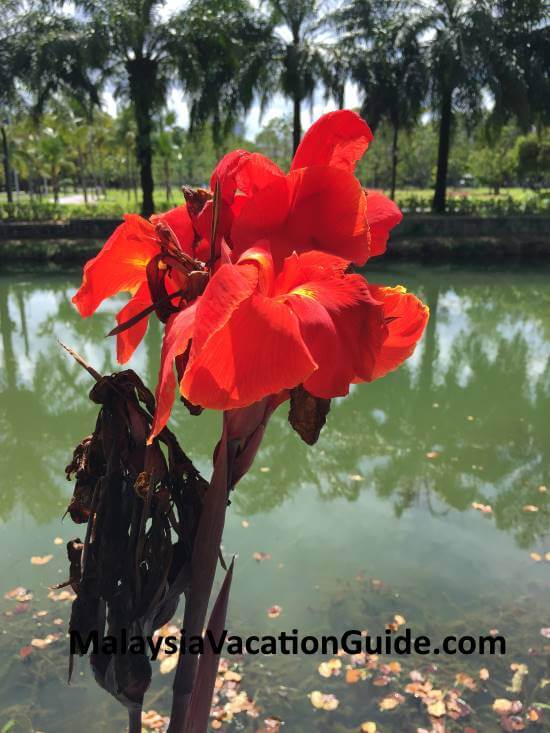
476 201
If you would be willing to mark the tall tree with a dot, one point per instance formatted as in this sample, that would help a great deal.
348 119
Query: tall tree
518 55
295 61
387 63
457 34
224 48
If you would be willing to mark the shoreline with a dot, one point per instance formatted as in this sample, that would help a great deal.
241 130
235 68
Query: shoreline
421 237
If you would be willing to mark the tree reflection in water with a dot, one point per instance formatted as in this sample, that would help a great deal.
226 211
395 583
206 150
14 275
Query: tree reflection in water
484 356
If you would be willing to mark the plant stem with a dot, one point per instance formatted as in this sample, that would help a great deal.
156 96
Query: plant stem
134 720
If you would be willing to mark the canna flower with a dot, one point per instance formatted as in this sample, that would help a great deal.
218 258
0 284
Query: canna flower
257 332
270 305
319 205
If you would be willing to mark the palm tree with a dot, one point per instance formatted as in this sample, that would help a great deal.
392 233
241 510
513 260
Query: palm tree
208 48
223 53
387 63
518 56
295 61
458 34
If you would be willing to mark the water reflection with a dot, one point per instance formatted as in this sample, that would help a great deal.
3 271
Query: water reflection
476 396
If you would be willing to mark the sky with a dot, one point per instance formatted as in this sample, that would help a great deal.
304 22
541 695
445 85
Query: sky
278 106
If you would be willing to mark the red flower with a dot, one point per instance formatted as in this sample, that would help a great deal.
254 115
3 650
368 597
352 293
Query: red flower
258 331
122 266
319 204
279 307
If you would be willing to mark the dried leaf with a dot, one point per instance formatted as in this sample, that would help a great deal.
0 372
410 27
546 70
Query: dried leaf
391 701
260 556
41 559
503 706
437 709
25 651
19 594
307 414
322 701
520 670
483 508
464 680
353 676
64 595
168 664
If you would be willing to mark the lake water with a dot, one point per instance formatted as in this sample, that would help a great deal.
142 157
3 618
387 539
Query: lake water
375 520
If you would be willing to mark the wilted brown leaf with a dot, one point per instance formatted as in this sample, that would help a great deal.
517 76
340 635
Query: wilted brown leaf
307 414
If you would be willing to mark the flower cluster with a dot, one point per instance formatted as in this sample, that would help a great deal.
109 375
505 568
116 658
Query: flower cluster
253 279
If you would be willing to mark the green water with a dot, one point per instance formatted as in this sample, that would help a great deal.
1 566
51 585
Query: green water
365 503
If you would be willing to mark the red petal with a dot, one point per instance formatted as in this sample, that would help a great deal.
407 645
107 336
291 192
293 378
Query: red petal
120 266
243 171
180 223
311 208
127 341
229 287
332 309
406 318
382 216
178 331
337 139
259 351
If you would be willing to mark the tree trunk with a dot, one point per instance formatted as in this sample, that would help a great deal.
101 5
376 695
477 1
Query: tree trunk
82 176
6 160
55 185
167 183
440 193
142 75
394 161
297 124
